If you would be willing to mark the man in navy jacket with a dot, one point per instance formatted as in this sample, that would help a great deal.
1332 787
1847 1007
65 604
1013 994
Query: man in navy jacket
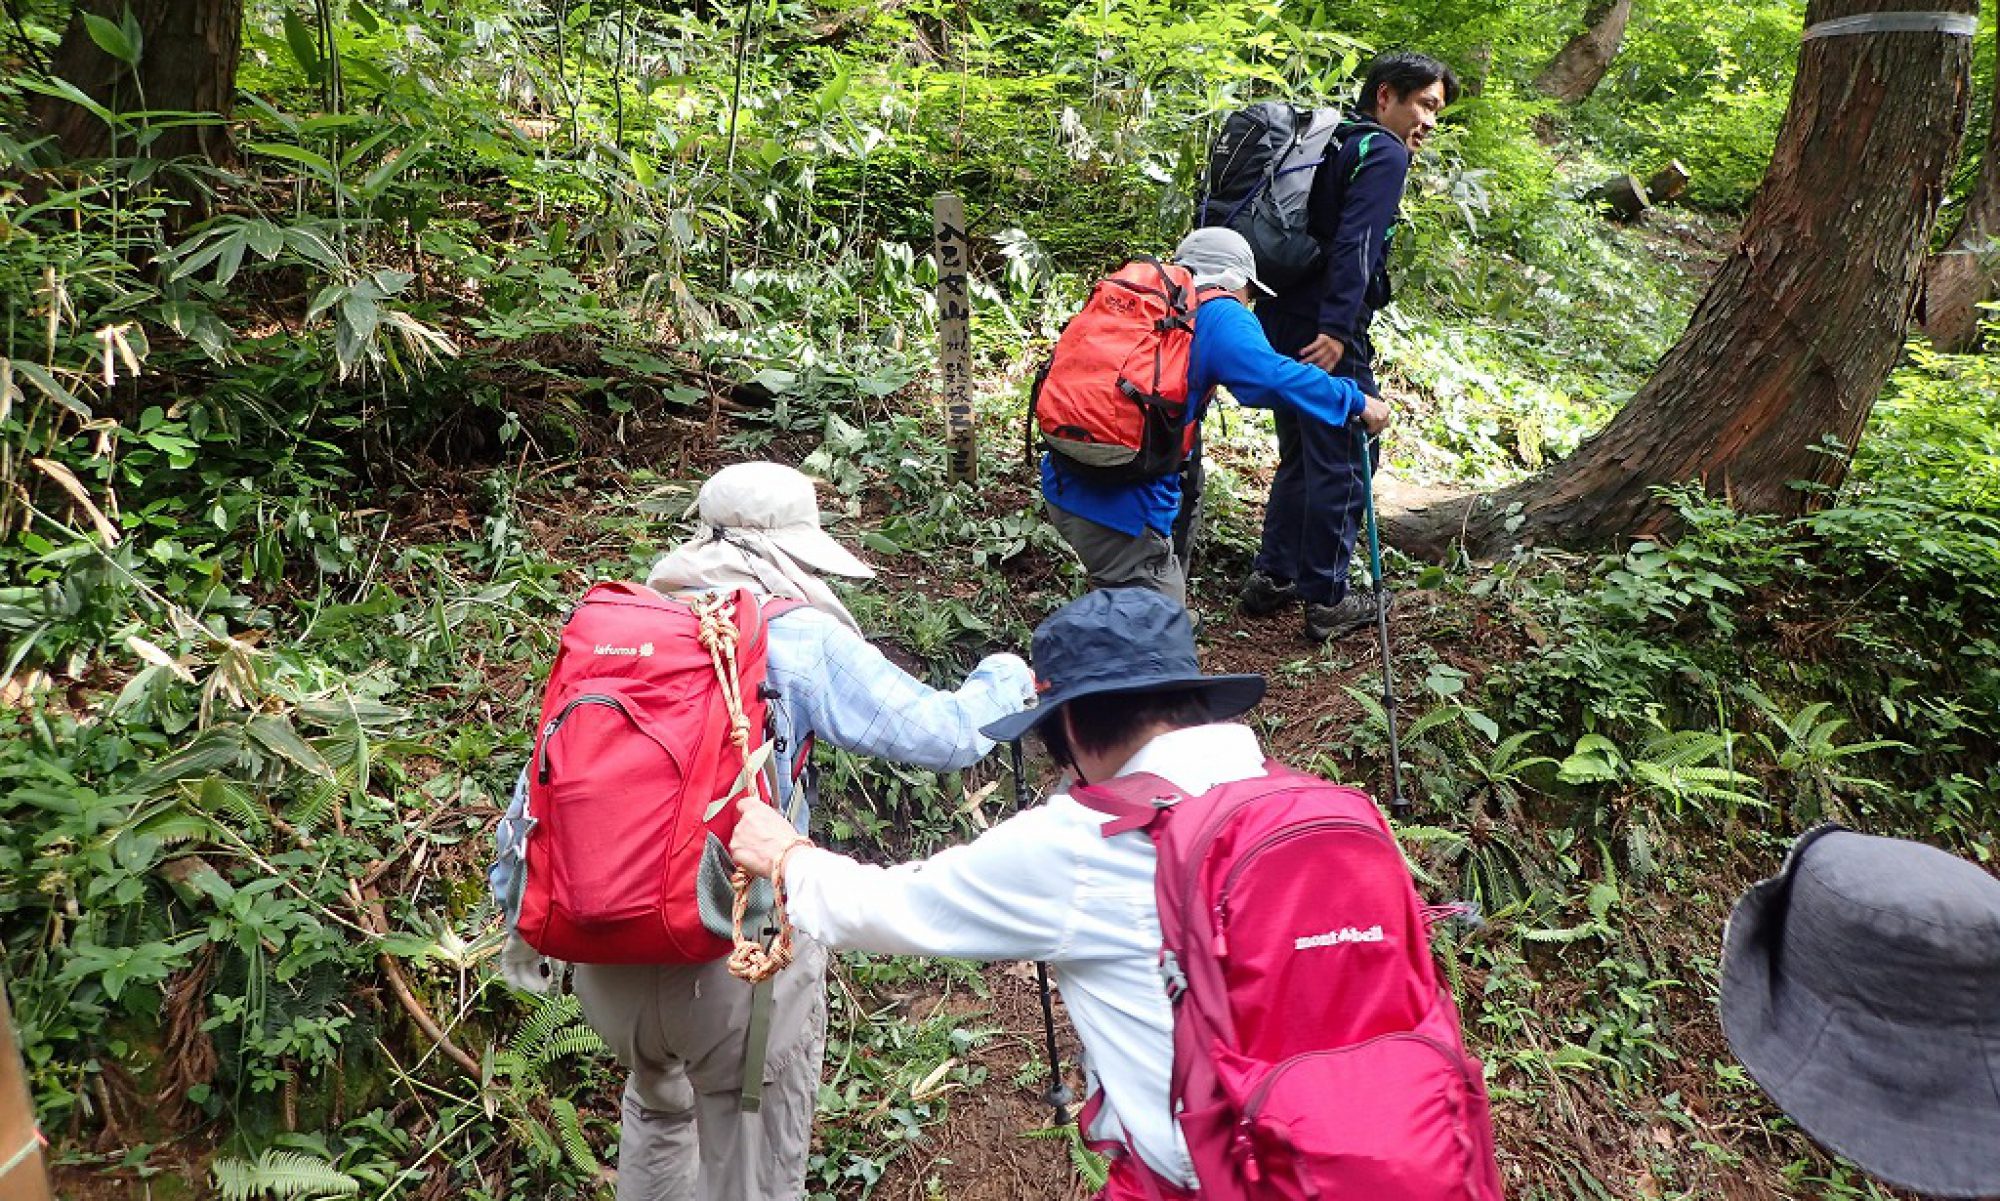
1320 492
1125 534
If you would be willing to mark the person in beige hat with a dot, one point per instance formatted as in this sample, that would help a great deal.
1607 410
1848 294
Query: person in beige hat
681 1030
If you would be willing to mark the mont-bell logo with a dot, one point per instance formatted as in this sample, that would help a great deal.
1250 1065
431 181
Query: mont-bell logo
1334 938
642 651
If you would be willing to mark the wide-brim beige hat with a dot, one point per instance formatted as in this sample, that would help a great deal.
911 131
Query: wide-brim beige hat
777 502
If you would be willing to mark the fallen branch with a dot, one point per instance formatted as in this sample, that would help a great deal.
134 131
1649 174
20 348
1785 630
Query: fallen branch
370 907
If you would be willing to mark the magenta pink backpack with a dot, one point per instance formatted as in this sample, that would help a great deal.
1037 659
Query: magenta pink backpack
1316 1054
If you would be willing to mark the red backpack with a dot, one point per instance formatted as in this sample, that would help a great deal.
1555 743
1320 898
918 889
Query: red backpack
1113 398
633 755
1315 1052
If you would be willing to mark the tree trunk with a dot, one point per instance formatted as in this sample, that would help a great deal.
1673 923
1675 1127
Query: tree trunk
1578 67
1786 353
1968 270
187 64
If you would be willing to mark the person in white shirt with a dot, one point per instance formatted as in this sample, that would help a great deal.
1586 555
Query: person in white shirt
1121 693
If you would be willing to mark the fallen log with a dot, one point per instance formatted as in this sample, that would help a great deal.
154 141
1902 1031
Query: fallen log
1668 184
1623 196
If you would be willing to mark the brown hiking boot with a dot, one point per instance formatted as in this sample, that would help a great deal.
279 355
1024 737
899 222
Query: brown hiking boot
1349 613
1262 595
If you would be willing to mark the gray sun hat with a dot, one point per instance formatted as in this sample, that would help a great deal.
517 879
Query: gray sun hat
1861 988
1121 640
1220 258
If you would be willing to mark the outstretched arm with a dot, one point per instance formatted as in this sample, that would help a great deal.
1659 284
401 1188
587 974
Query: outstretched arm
850 694
997 897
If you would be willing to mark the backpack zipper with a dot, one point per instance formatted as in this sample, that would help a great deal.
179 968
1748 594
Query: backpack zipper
1301 830
555 723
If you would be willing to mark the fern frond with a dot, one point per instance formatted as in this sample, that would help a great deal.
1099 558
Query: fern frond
575 1040
569 1130
281 1174
312 808
1685 748
222 798
551 1014
1431 834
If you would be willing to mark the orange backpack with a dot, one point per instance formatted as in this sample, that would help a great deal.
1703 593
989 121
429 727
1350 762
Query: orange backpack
1112 400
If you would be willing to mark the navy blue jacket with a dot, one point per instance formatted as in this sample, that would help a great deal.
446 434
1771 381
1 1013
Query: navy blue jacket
1356 199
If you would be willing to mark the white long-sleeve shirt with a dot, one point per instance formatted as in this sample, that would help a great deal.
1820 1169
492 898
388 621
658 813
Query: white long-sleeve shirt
1047 885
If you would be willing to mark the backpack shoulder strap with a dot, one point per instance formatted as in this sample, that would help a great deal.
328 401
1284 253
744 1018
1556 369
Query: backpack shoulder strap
777 606
625 590
1132 802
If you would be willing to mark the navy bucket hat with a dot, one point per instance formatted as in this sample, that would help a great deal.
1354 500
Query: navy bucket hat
1861 988
1121 640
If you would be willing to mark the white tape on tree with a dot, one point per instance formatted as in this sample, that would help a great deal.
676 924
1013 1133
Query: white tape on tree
1957 25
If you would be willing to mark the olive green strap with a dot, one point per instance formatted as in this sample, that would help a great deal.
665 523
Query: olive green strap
757 1045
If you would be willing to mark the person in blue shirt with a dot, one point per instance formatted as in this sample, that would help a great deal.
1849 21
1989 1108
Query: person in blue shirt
1125 534
1320 492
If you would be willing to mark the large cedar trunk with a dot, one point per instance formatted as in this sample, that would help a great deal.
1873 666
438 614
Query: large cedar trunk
1968 270
1800 327
1578 67
187 63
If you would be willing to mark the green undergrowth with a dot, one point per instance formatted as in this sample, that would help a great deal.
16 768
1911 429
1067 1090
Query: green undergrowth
304 460
208 789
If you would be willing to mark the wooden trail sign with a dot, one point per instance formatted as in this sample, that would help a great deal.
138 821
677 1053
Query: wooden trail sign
954 301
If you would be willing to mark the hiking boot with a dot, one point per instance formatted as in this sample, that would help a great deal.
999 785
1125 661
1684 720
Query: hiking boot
1262 595
1349 613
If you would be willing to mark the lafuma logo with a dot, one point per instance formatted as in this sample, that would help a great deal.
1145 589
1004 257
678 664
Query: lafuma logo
642 651
1334 938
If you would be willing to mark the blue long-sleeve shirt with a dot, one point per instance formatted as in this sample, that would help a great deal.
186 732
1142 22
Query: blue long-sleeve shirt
1229 351
1356 199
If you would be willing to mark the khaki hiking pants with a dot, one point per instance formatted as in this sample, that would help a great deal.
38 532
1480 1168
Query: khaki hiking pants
680 1029
1116 560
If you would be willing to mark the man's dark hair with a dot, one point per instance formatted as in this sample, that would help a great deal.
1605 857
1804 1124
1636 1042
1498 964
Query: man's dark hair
1110 719
1405 72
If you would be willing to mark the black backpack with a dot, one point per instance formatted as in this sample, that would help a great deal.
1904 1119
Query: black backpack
1259 178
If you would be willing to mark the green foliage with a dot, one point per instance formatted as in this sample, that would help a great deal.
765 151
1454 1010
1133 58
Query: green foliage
889 1076
274 612
281 1174
1703 85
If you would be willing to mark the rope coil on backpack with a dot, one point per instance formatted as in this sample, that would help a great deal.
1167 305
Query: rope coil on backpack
749 959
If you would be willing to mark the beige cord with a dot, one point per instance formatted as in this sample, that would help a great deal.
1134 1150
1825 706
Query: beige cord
748 959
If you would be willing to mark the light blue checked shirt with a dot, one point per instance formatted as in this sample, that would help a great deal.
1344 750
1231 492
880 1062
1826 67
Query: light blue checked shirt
832 684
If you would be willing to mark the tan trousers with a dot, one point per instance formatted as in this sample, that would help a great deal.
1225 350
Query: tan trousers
1115 560
679 1029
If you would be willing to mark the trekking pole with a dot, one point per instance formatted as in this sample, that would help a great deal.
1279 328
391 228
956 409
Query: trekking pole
1058 1096
1399 806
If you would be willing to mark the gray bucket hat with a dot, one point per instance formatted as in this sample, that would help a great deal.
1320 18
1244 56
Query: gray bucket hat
1221 258
1861 988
